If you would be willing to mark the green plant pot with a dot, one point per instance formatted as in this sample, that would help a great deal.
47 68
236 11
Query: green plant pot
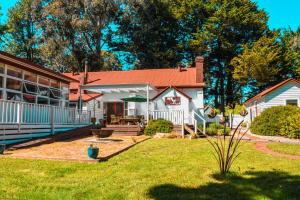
93 152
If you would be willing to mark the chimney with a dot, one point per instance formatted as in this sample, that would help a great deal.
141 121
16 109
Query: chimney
199 69
179 66
86 72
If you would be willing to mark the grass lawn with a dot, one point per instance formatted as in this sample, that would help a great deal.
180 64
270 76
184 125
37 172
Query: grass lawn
293 149
155 169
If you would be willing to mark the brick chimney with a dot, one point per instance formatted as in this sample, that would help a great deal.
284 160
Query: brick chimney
199 69
179 66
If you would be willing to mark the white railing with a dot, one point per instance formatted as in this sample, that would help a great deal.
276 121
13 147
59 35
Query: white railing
20 113
196 118
175 116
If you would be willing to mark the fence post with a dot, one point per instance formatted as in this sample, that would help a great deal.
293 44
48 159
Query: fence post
19 114
52 121
182 123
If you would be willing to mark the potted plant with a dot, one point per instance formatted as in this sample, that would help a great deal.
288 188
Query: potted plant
2 148
93 152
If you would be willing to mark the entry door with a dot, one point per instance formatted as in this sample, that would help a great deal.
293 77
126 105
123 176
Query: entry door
114 108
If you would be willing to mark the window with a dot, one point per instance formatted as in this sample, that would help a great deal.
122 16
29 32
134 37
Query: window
43 91
55 94
292 102
1 94
1 82
13 84
30 77
14 72
54 84
42 100
44 81
29 88
29 98
1 68
13 96
54 102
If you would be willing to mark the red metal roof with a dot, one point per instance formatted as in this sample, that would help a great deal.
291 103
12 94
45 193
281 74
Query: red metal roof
265 92
159 78
85 96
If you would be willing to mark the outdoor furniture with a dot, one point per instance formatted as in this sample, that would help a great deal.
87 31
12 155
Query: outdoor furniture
115 119
100 133
130 120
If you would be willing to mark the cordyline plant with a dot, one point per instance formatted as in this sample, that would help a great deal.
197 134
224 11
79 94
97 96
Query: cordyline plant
226 148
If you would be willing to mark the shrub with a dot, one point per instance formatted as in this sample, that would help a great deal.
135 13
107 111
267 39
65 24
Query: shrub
215 128
271 120
291 126
158 126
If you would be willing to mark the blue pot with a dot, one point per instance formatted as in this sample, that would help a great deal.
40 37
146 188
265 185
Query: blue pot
2 148
93 152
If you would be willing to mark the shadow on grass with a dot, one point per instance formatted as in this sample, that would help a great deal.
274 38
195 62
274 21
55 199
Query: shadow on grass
274 185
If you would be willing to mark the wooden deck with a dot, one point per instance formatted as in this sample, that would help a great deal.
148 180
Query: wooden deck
125 130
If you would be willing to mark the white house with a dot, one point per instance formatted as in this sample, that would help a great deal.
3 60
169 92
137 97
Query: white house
174 94
285 93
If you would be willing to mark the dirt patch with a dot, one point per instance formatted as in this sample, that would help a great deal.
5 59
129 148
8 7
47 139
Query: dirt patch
76 150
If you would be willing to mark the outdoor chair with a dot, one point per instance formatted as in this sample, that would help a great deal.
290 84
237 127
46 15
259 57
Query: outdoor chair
114 119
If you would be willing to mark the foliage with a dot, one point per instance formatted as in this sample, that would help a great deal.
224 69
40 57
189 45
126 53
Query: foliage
158 126
149 32
236 111
272 120
22 30
225 152
291 125
215 129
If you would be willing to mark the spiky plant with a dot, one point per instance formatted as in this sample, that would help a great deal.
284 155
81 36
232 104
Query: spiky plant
226 148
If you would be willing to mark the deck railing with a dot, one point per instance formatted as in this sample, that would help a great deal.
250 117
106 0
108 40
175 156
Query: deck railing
175 116
20 113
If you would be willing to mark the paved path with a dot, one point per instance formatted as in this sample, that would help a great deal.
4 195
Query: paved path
262 146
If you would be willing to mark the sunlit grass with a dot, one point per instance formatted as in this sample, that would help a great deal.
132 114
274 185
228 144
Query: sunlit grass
293 149
186 167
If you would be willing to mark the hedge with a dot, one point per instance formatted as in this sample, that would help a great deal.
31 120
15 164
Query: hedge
275 121
158 126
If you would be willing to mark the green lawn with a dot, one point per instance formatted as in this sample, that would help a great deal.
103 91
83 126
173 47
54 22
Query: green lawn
154 169
293 149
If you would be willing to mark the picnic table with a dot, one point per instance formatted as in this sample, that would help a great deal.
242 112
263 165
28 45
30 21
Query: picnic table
130 120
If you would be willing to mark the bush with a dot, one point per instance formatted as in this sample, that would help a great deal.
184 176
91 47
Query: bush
272 120
291 126
216 129
158 126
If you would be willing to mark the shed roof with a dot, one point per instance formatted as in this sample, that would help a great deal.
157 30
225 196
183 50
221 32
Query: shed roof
271 89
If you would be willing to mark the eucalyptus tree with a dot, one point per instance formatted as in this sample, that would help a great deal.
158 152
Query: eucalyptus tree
22 32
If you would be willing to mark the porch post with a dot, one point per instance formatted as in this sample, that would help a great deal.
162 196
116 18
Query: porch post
147 104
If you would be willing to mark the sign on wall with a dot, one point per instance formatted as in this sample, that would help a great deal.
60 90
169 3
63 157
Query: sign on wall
172 101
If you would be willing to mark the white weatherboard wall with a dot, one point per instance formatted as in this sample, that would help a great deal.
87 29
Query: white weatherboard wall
278 97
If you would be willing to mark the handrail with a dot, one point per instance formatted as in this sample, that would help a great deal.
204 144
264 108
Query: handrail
196 122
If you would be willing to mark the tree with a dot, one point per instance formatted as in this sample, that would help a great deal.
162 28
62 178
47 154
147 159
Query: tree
229 24
77 30
2 30
23 35
258 65
149 32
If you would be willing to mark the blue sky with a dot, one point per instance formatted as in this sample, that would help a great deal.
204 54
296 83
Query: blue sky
282 13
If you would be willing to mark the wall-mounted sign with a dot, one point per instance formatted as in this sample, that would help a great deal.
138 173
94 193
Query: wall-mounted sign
172 101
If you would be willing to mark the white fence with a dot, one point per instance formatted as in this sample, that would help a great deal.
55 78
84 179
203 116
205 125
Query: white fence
175 116
21 113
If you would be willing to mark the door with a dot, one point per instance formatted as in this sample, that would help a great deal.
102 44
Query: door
114 108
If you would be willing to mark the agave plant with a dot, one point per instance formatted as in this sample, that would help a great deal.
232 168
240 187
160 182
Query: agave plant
226 148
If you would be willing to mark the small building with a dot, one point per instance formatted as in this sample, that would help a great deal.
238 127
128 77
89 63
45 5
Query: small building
174 94
21 80
285 93
34 101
